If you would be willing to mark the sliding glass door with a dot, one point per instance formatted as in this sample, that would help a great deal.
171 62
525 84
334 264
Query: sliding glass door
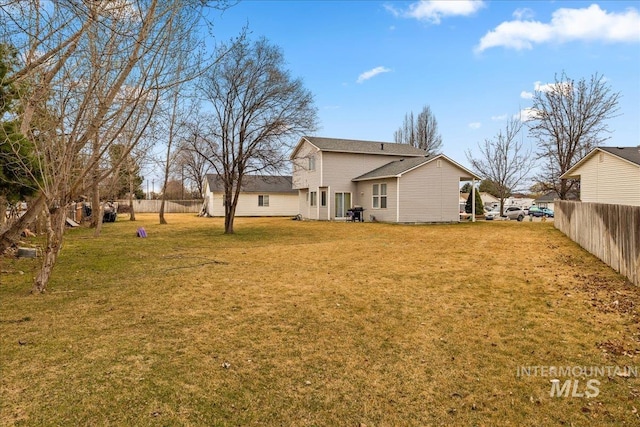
343 203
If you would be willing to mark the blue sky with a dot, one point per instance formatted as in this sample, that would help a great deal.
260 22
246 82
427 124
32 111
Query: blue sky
474 63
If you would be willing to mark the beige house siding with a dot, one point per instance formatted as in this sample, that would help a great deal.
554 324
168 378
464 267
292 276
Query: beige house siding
430 193
605 178
333 173
280 204
302 176
365 195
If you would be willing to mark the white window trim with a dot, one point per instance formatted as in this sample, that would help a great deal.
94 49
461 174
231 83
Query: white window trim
378 197
263 197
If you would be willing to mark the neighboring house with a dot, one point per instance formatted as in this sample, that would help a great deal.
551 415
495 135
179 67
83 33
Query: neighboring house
546 200
609 175
488 200
260 195
519 201
391 182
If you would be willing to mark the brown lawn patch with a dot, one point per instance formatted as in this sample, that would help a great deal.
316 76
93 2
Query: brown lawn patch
310 323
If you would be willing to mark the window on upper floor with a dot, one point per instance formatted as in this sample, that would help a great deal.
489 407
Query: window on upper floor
312 163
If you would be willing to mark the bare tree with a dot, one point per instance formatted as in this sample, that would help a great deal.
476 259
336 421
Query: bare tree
422 133
258 110
194 166
504 160
93 69
568 120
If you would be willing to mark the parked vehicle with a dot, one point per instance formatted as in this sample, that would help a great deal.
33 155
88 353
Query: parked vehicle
535 211
514 212
540 212
490 215
547 212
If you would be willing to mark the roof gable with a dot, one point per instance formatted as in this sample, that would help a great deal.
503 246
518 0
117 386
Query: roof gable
628 154
631 154
256 183
360 147
397 168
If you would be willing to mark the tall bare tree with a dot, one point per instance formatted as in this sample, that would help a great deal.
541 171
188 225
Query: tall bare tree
195 166
93 69
258 110
504 160
421 133
568 120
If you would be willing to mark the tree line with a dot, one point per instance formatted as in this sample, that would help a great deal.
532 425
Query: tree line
568 118
88 89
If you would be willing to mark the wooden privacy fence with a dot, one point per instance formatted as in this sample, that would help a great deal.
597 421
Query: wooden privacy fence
610 232
170 206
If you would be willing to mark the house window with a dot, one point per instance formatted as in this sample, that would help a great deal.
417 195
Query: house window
263 200
313 199
379 196
323 198
312 163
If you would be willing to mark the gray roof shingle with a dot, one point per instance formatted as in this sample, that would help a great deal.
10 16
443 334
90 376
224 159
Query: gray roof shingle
367 147
256 184
631 154
394 168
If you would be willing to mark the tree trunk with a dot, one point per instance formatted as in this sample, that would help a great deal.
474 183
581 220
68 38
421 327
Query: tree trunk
99 224
55 230
132 213
11 235
229 215
3 217
95 201
162 220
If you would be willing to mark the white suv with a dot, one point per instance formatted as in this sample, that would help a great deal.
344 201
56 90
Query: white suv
514 212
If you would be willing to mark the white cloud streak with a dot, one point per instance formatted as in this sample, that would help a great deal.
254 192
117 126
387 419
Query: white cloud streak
475 125
587 24
372 73
432 11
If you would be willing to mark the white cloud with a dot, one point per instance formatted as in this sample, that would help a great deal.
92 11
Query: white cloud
526 95
524 13
591 23
499 118
526 114
372 73
475 125
433 11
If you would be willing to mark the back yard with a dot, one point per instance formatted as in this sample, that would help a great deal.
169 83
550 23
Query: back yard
317 324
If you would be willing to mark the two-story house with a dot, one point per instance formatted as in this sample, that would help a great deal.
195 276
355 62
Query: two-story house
392 182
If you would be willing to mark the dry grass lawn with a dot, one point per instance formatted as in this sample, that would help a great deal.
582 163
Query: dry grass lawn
315 324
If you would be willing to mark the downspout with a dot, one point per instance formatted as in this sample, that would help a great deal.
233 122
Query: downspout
319 195
398 199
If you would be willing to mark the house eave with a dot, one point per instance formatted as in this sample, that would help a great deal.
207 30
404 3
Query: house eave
376 177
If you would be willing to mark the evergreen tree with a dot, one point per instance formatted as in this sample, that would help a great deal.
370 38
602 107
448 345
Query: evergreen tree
479 206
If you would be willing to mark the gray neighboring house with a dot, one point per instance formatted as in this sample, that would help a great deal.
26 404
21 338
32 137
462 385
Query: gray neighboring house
391 182
260 195
609 175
